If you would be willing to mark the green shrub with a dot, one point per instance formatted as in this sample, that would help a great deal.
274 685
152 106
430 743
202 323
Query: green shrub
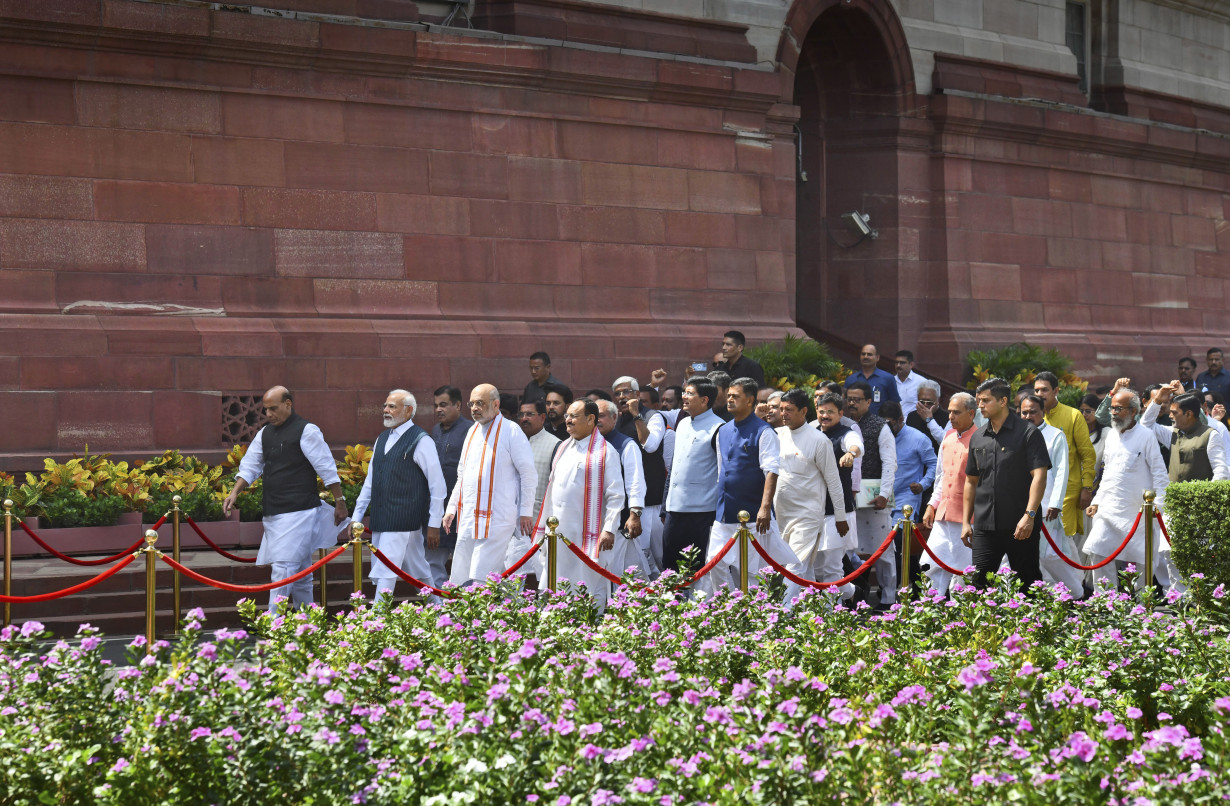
251 503
200 505
795 362
1198 517
68 507
1019 363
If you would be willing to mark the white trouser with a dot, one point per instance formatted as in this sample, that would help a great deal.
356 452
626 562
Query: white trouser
1054 569
407 549
873 526
299 593
651 534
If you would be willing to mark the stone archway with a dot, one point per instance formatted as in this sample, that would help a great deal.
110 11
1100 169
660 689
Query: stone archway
859 149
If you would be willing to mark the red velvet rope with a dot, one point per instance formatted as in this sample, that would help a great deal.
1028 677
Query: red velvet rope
583 557
1162 524
379 555
226 586
215 546
1107 561
709 566
943 565
76 561
811 583
512 569
89 583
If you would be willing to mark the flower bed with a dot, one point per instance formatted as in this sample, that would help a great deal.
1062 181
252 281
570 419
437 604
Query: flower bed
502 697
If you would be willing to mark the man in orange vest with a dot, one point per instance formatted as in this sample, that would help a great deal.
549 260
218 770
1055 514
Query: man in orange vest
943 515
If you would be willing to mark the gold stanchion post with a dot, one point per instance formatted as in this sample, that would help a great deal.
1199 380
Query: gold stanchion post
175 603
324 580
552 553
151 537
356 546
1149 509
907 537
8 558
744 548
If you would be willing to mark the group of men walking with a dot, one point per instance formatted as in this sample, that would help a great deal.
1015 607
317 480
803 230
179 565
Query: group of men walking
633 487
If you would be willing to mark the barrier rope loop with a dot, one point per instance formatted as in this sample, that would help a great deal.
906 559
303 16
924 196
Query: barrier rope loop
379 555
226 586
1162 524
1095 566
215 546
75 561
943 565
811 583
583 557
89 583
512 569
709 566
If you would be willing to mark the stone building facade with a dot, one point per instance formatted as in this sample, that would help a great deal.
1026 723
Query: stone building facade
199 200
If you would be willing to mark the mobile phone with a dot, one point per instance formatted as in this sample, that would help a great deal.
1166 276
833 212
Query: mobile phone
700 366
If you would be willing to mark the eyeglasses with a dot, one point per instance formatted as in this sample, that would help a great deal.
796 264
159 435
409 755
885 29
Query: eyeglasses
1120 408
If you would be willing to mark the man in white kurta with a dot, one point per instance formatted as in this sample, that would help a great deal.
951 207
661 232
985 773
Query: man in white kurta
1133 464
542 446
304 524
494 493
1054 569
807 478
629 551
586 493
405 549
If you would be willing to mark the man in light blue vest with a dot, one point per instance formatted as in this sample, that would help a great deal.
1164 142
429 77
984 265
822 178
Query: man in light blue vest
691 489
404 493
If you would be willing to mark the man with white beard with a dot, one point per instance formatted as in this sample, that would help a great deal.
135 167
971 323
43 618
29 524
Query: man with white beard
404 493
586 493
628 549
1054 569
1132 464
494 493
943 515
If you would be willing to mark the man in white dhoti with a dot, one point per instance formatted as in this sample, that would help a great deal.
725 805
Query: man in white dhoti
532 417
875 496
404 494
747 463
494 493
586 493
628 550
647 429
1054 569
1133 464
943 515
291 452
811 497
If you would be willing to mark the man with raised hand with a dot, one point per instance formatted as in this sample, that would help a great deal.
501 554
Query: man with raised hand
586 492
1054 569
943 515
1005 477
813 492
404 493
495 487
1132 464
291 452
646 429
629 549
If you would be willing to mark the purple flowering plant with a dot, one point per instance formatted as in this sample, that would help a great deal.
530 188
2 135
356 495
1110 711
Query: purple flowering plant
505 696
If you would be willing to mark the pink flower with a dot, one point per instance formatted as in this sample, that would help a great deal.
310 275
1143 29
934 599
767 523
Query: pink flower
1082 746
643 785
603 797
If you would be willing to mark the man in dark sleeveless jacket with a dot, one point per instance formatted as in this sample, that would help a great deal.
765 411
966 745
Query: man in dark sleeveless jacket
404 493
648 429
291 452
879 468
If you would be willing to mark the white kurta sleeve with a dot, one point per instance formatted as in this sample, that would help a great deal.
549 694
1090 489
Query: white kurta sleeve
1059 462
613 491
937 487
657 430
634 474
253 462
454 500
1163 433
365 496
522 456
1217 457
933 428
312 443
428 459
888 458
770 452
826 463
1157 471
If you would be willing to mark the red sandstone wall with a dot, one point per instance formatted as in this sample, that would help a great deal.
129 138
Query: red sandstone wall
346 210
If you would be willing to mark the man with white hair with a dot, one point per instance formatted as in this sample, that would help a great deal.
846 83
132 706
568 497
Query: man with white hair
494 494
1132 463
404 493
943 515
628 550
647 429
927 416
290 453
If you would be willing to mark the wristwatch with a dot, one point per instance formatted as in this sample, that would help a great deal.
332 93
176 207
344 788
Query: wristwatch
639 416
1032 513
635 511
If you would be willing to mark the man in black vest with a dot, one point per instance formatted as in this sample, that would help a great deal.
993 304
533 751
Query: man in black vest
449 433
404 493
879 472
648 429
291 452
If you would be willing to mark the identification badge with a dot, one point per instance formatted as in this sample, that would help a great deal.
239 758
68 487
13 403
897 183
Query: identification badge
875 394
